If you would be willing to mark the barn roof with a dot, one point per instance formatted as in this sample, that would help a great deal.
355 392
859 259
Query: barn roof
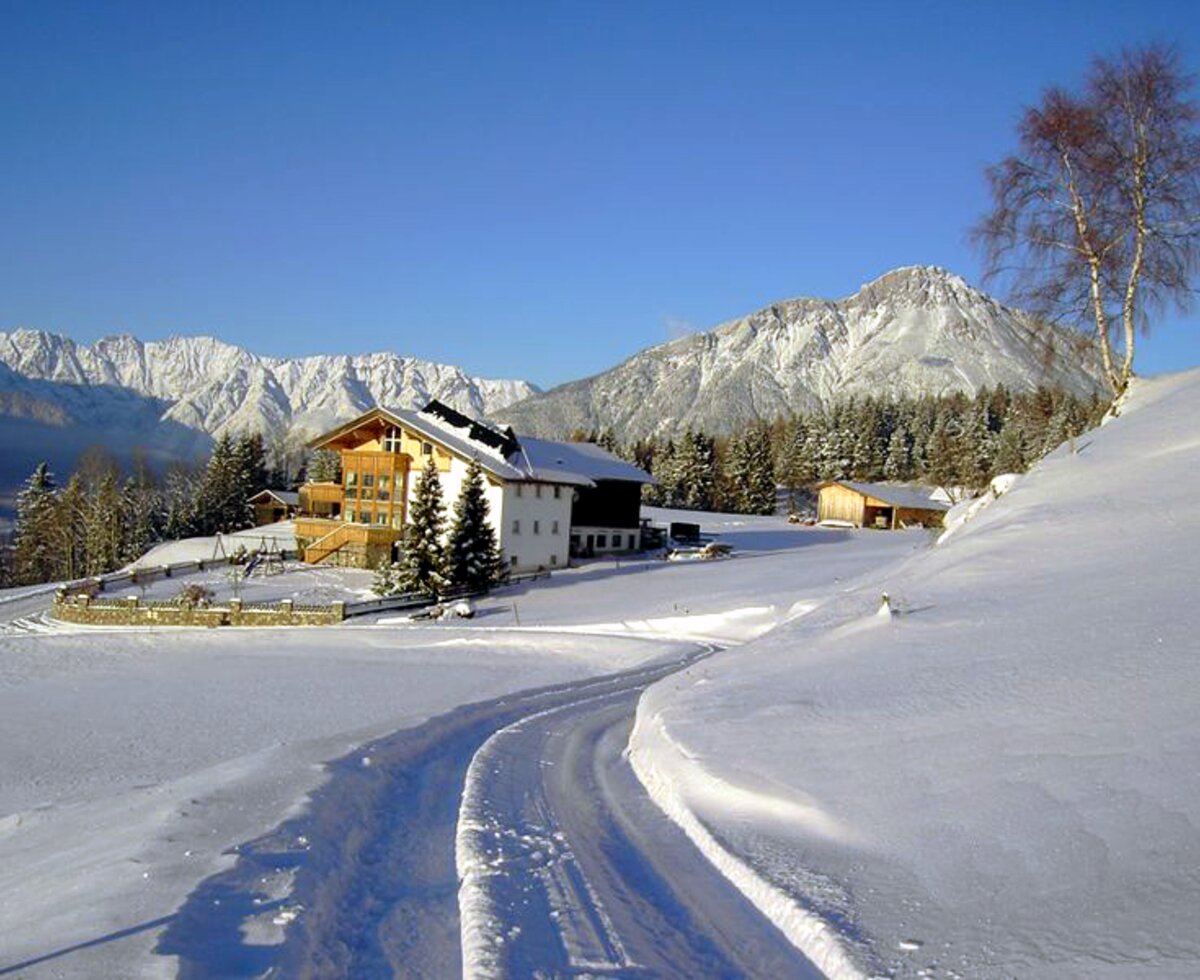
903 495
289 497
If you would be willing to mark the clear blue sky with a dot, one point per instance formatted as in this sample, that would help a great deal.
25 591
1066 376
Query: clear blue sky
530 190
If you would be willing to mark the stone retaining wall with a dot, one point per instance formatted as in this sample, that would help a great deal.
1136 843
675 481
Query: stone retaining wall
132 611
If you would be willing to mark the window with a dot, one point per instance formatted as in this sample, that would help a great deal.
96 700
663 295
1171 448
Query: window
554 524
557 494
537 490
391 440
516 527
512 561
554 559
520 490
427 449
351 478
601 540
537 527
368 479
616 540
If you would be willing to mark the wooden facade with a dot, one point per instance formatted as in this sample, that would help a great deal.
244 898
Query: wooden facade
357 520
272 506
876 506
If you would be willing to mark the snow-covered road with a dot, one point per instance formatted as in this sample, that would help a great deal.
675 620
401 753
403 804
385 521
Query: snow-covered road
569 865
570 869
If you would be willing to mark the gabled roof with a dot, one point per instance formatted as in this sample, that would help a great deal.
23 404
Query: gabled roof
289 497
584 459
896 494
498 451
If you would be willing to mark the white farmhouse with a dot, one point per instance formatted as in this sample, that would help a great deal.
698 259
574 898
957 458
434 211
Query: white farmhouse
547 500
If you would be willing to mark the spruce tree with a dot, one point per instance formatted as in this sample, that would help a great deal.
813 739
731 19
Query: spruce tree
102 525
34 558
385 582
70 530
897 464
423 561
751 472
472 556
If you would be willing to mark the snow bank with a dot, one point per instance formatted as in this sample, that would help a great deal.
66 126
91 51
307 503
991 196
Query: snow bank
675 789
998 778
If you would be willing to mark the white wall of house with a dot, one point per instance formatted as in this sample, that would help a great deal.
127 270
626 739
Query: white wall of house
532 524
536 526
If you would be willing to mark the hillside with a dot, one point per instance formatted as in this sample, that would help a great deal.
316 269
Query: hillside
998 778
917 330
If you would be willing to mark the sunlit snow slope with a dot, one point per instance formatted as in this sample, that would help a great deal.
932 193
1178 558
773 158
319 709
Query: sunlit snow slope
1000 777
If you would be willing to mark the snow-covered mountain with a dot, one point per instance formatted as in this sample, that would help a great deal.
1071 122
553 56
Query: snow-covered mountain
204 386
913 331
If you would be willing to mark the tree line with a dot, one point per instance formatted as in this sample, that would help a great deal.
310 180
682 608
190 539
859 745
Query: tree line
100 519
949 441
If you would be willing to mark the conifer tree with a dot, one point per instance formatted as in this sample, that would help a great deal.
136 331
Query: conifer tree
325 467
386 580
180 493
102 525
751 472
34 557
69 532
423 561
1011 455
897 464
143 509
472 556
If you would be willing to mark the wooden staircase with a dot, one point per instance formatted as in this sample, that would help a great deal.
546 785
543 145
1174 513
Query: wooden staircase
325 546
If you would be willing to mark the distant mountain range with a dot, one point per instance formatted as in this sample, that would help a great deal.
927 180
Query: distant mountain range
916 330
170 398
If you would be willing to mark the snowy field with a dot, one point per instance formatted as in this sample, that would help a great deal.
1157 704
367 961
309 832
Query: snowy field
134 761
998 778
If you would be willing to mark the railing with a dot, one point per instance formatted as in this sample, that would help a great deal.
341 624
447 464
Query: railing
327 544
418 600
149 573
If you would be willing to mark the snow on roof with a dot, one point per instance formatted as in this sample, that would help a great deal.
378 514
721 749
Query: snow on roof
896 494
505 455
289 497
556 460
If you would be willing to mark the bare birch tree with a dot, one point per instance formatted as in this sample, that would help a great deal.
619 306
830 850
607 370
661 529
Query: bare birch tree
1096 218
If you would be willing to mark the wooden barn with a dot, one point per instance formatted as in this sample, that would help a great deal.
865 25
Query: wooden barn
879 505
271 506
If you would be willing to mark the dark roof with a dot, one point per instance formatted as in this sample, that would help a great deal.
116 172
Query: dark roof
289 497
897 494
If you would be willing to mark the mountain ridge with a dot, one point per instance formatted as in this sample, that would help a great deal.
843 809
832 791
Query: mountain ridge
914 330
212 386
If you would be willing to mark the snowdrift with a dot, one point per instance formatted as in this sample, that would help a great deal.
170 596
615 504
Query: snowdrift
999 777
